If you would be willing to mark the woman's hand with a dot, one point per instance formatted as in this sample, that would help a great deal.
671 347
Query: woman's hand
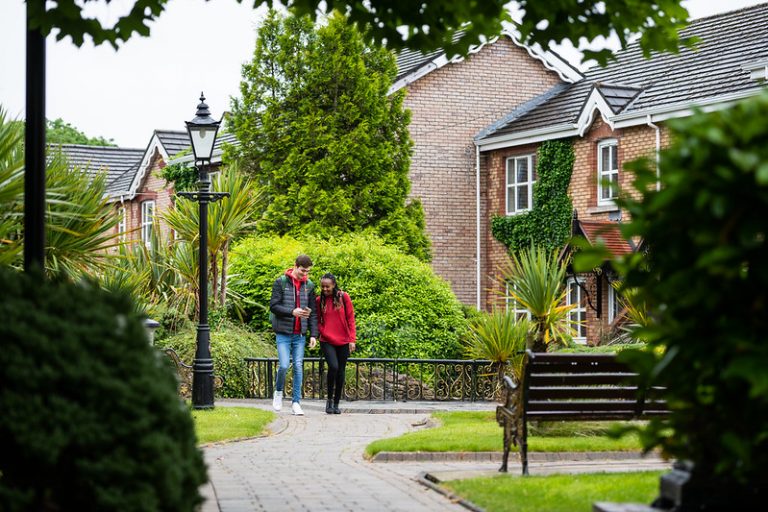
312 342
352 347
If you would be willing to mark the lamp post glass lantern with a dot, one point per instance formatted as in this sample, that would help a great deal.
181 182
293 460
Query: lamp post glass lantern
202 133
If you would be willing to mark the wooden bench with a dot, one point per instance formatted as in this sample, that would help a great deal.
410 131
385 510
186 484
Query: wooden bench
572 387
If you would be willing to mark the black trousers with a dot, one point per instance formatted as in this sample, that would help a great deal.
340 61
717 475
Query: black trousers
336 356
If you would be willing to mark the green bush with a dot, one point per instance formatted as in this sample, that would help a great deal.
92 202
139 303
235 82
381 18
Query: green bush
704 283
91 419
402 308
230 344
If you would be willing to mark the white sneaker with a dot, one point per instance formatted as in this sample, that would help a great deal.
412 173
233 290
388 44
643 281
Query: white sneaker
277 400
296 408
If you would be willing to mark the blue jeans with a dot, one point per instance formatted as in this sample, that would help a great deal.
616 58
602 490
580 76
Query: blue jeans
290 346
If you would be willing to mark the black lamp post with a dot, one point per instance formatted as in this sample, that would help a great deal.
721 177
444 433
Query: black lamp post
202 132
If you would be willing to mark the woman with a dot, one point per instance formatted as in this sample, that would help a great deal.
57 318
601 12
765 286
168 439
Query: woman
336 319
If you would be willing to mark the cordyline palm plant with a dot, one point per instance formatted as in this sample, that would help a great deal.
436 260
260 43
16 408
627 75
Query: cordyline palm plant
163 274
11 188
227 219
80 224
501 338
633 316
535 278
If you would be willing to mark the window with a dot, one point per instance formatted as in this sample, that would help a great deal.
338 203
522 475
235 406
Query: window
121 224
513 306
578 315
147 216
607 172
614 303
520 179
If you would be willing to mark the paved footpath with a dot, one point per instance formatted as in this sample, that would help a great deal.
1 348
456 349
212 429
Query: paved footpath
315 463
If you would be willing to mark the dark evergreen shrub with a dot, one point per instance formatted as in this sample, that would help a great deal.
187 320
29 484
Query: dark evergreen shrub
90 415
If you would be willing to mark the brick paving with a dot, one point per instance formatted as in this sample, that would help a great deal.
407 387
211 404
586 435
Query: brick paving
315 462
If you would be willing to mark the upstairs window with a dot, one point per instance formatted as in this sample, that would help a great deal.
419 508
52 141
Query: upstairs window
607 172
147 216
520 179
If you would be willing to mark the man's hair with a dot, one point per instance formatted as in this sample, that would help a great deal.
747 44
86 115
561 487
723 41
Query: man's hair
302 260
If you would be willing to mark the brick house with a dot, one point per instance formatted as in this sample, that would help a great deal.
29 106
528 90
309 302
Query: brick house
134 184
613 115
451 100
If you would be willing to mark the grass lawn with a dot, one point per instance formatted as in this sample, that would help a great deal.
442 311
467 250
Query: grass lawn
557 493
478 432
227 423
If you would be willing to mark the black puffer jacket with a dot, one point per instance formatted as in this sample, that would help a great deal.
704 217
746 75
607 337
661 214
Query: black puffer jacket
283 302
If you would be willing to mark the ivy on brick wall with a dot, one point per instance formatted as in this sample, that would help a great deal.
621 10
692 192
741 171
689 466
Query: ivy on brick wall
183 176
548 223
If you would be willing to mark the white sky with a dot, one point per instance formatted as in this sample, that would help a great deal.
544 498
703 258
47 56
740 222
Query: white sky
155 82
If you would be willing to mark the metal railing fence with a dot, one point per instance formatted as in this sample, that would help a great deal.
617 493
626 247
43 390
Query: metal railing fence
385 379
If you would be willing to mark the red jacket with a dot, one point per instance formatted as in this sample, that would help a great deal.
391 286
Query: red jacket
337 326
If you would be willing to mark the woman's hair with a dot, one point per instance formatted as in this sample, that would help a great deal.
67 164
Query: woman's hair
337 295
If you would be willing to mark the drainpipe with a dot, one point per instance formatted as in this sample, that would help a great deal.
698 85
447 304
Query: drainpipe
477 227
658 148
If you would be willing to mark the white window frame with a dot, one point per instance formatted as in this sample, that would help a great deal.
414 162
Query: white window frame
614 304
513 187
121 226
578 315
147 218
513 306
611 174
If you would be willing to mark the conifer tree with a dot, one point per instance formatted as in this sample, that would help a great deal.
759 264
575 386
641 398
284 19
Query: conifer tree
325 142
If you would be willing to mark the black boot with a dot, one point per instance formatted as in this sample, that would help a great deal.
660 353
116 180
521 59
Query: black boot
329 407
336 409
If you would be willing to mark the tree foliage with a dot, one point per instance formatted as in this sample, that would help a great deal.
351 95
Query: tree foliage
426 26
327 146
59 132
704 283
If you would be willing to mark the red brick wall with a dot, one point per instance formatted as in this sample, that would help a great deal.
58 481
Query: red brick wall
449 107
153 187
633 143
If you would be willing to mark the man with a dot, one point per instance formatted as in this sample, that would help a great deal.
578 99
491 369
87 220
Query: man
293 312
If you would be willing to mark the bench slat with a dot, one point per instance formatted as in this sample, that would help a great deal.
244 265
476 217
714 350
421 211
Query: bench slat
542 357
580 405
597 379
627 392
582 366
583 416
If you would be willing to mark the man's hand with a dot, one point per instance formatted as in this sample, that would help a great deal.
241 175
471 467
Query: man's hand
301 313
312 342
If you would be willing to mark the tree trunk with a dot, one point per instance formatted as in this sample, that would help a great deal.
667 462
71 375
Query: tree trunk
537 343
